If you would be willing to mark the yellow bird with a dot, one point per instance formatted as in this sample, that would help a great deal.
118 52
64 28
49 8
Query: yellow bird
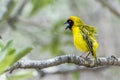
83 36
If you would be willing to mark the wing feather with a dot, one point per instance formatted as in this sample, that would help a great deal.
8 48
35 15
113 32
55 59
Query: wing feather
86 33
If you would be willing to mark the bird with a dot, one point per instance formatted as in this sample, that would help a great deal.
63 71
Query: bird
84 37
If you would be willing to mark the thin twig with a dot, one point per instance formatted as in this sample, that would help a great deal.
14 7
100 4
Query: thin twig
14 17
109 7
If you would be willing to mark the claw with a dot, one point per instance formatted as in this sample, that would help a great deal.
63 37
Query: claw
114 57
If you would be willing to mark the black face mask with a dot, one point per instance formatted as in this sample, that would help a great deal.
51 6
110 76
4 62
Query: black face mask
70 24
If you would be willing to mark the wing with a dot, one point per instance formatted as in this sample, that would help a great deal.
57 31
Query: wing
91 31
86 36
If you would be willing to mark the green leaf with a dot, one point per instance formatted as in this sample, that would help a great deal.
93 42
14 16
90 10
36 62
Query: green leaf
5 49
76 75
22 53
8 59
8 55
8 45
1 44
39 4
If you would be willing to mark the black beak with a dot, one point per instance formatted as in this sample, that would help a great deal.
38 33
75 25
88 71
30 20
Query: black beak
67 26
66 23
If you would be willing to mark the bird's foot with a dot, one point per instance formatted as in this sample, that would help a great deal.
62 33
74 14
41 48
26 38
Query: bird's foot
114 57
86 58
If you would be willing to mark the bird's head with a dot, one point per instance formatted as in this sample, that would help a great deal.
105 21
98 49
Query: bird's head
69 23
73 21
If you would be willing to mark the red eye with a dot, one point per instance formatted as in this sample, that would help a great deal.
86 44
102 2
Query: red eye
69 21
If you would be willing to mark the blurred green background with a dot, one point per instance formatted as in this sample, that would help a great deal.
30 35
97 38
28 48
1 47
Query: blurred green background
38 24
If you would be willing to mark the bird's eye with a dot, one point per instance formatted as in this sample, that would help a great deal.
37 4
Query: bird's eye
69 21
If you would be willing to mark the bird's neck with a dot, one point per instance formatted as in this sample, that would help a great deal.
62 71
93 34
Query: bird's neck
75 30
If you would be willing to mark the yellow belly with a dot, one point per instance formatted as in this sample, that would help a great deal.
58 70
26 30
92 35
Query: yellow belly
79 43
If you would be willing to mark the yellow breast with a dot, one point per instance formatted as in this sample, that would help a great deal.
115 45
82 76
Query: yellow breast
79 42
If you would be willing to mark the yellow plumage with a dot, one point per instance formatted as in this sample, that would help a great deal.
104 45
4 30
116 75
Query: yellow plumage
83 35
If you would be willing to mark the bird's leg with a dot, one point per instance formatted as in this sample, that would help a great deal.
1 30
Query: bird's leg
82 55
88 53
86 56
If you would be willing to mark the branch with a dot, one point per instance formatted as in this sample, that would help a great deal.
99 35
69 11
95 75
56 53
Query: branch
8 7
90 63
14 17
